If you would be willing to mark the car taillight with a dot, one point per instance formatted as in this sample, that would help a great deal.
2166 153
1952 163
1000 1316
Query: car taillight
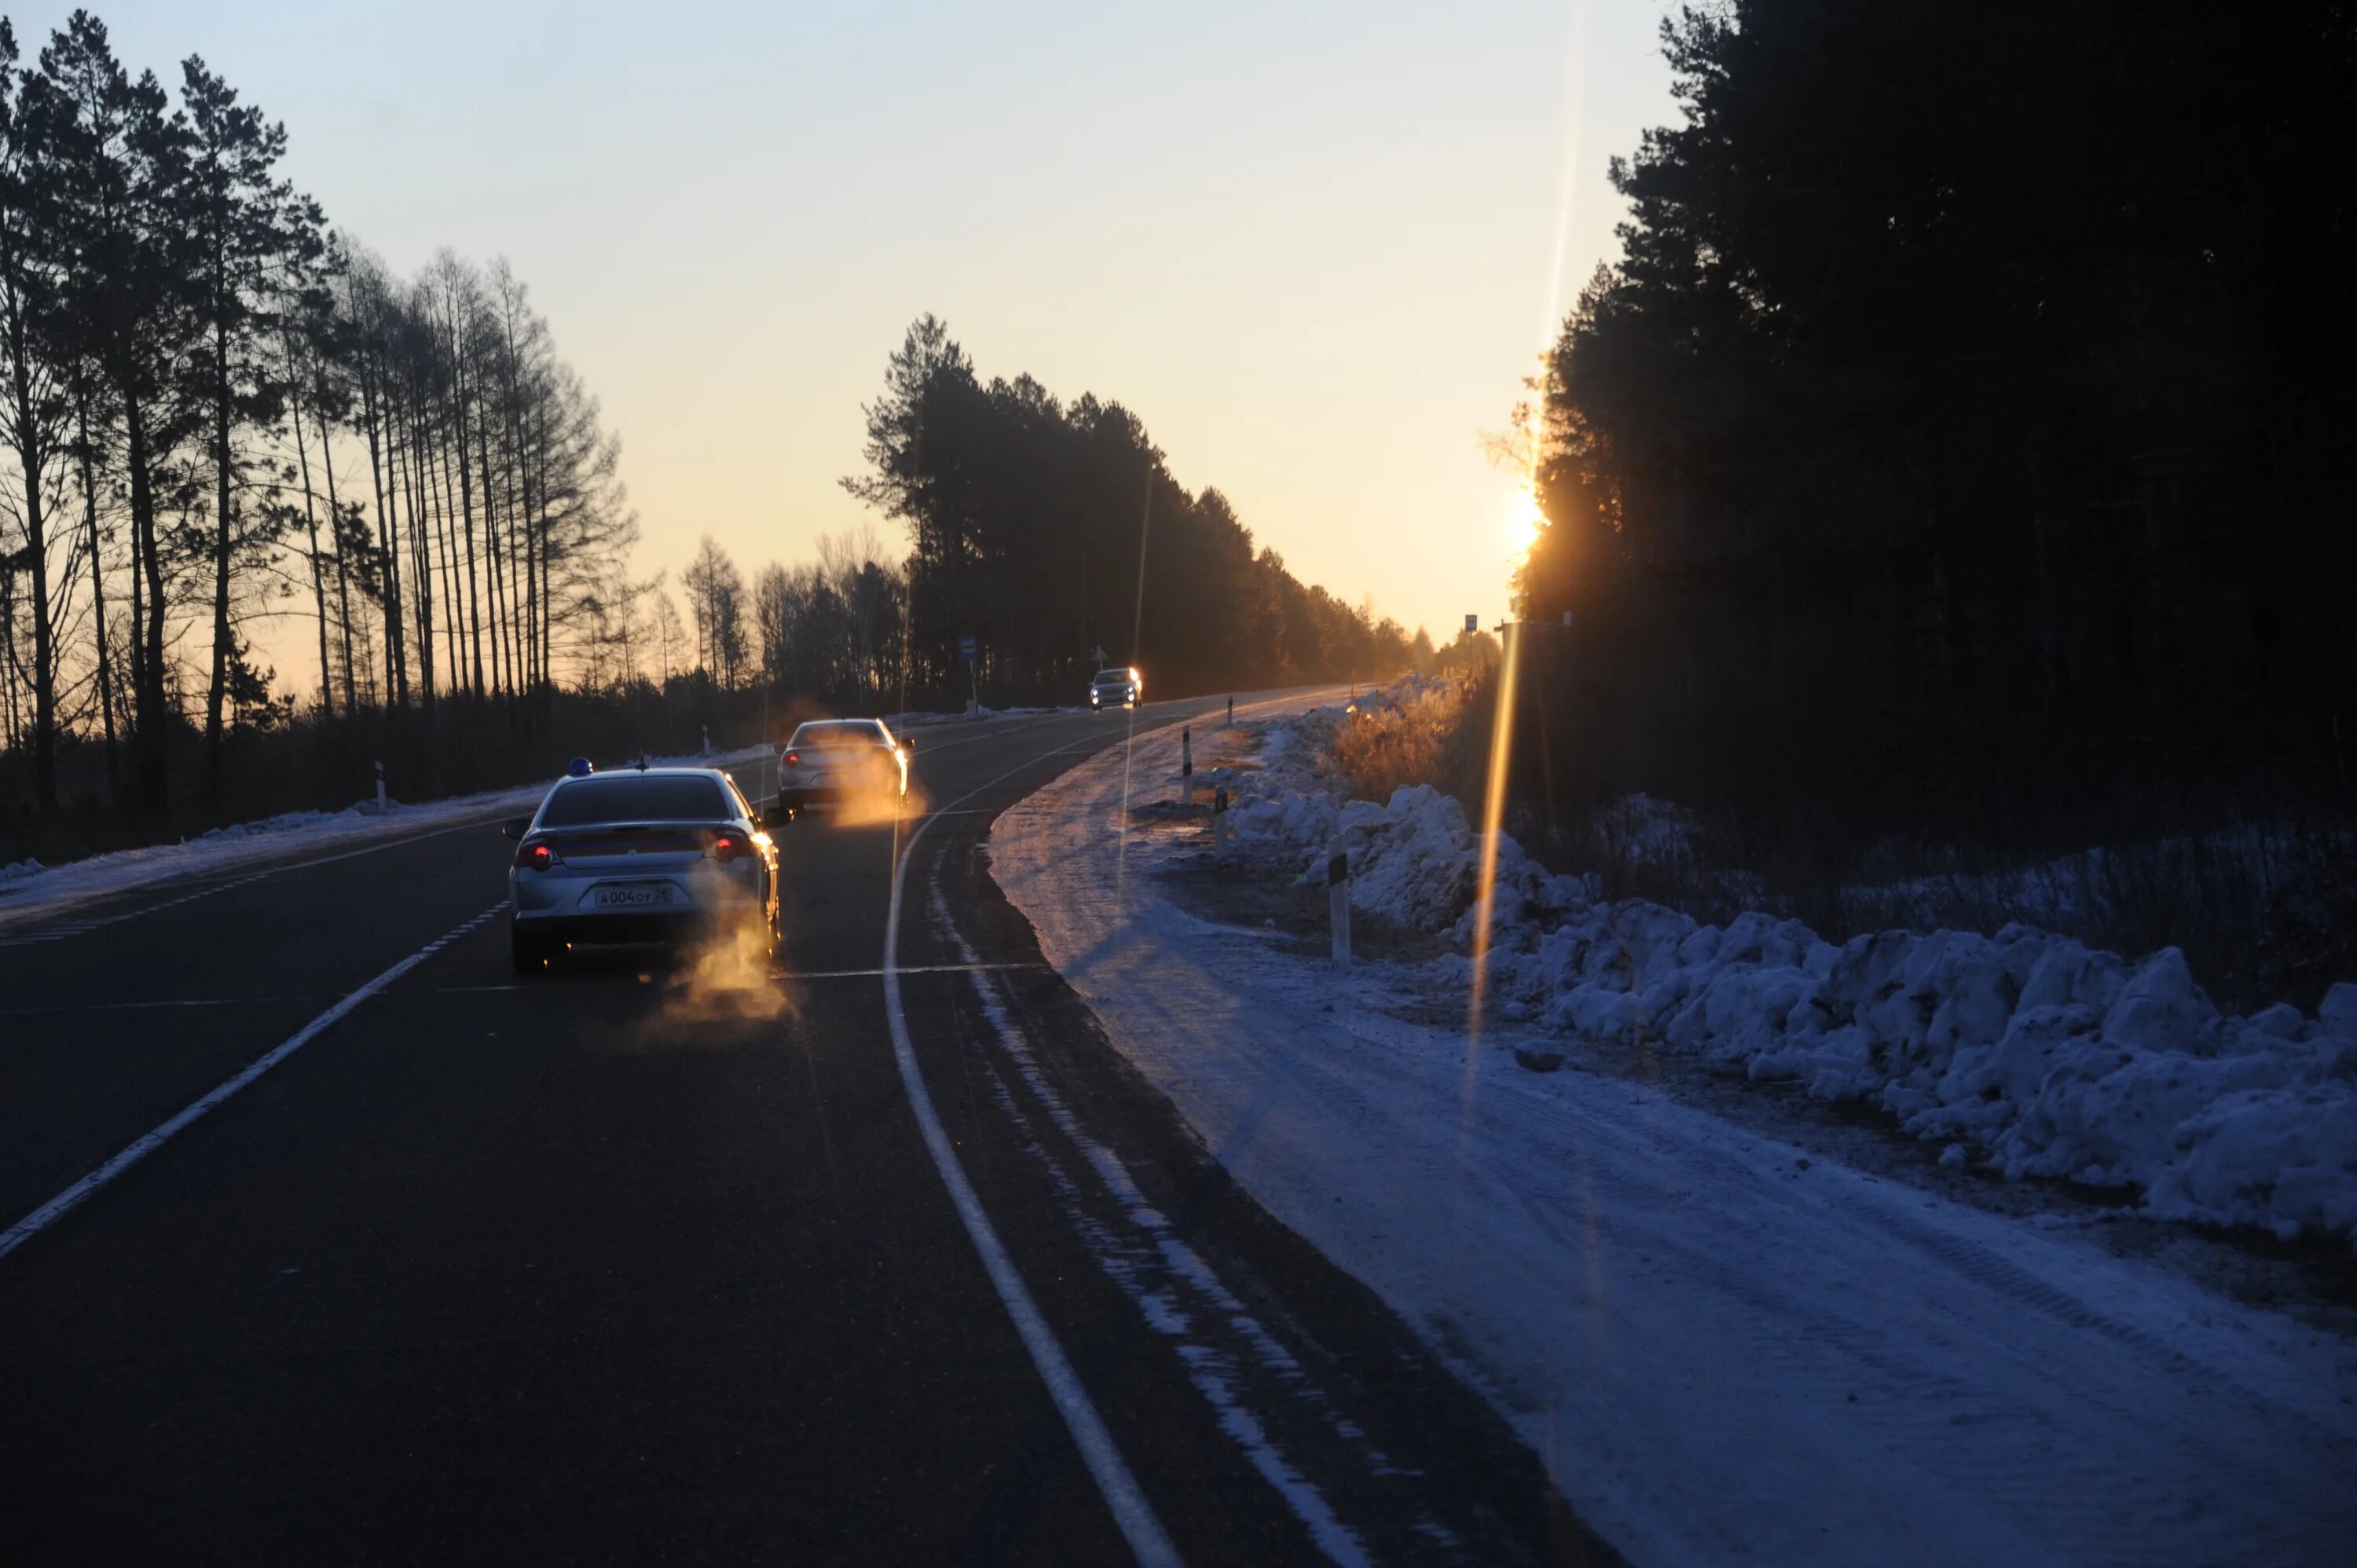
794 760
727 846
535 857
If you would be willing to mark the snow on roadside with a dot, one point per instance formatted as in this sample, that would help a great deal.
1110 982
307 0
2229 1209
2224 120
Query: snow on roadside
30 888
916 718
2026 1049
1724 1351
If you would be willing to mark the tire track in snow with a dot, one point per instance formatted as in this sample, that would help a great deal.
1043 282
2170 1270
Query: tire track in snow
1165 1277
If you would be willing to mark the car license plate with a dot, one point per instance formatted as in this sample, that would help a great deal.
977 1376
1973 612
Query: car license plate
653 894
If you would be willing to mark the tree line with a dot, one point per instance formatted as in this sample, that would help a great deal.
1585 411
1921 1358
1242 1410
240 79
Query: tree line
1055 538
218 411
827 633
1047 532
1963 436
215 408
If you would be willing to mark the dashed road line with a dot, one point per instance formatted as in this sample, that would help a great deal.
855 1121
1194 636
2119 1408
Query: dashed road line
61 930
775 974
72 1198
135 1007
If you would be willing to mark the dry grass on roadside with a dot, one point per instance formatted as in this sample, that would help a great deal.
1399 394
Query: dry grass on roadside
1381 749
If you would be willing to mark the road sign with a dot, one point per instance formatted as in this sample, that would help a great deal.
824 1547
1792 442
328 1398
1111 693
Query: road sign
1472 623
965 648
1101 655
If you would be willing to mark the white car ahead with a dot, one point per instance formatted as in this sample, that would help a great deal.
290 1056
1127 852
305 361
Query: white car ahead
832 762
653 855
1123 687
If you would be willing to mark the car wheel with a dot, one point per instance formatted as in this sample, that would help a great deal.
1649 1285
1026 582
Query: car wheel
758 932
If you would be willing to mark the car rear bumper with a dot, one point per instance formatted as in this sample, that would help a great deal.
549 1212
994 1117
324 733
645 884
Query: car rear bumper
700 896
626 927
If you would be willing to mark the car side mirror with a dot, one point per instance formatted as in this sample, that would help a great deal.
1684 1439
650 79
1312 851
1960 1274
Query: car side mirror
907 746
516 827
776 814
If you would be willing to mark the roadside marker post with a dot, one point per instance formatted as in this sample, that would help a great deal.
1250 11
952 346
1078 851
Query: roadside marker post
380 788
1338 901
1187 765
1221 837
1231 712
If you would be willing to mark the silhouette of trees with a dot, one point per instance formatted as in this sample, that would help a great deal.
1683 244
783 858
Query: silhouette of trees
1046 533
1965 431
210 405
36 408
715 601
214 409
833 629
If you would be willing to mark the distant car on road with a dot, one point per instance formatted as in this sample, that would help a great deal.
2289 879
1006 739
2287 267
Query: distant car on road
1117 689
834 762
655 855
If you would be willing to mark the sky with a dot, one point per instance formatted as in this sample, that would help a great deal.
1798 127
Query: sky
1315 247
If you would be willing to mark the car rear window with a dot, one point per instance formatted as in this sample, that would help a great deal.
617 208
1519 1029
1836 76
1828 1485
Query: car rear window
646 798
839 732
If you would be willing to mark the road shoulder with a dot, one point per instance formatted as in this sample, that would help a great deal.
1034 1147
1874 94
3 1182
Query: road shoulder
1723 1348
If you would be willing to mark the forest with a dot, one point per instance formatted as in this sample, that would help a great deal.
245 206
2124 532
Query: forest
1047 532
1949 483
1962 442
218 412
215 409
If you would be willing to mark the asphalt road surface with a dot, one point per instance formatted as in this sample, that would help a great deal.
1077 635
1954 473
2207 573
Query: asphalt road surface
882 1256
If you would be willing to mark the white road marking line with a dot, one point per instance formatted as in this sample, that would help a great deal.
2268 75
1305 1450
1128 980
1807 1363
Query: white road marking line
124 1006
1143 1266
904 969
60 930
1134 1516
988 734
72 1198
776 975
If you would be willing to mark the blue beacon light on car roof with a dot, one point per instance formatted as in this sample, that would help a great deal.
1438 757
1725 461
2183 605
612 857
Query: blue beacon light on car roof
581 768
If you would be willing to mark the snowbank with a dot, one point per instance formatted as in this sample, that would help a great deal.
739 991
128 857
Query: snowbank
2043 1056
29 888
917 716
1725 1351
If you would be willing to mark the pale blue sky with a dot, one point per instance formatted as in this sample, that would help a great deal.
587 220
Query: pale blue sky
1312 246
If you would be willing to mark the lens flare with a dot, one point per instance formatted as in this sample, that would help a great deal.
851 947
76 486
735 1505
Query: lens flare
1524 520
1494 810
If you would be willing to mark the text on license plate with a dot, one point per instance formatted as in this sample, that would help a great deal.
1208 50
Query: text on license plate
652 895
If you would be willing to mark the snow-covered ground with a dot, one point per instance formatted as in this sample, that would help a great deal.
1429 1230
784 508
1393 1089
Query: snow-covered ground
1724 1350
916 718
2024 1050
30 891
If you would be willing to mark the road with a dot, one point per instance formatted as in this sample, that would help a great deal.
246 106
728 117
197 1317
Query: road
615 1264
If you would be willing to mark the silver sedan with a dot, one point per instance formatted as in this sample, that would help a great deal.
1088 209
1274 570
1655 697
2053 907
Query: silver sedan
844 762
656 855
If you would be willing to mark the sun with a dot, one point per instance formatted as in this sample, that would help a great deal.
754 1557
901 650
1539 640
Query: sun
1524 520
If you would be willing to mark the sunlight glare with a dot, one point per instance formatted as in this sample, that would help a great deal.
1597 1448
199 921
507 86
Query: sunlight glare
1493 812
1523 521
